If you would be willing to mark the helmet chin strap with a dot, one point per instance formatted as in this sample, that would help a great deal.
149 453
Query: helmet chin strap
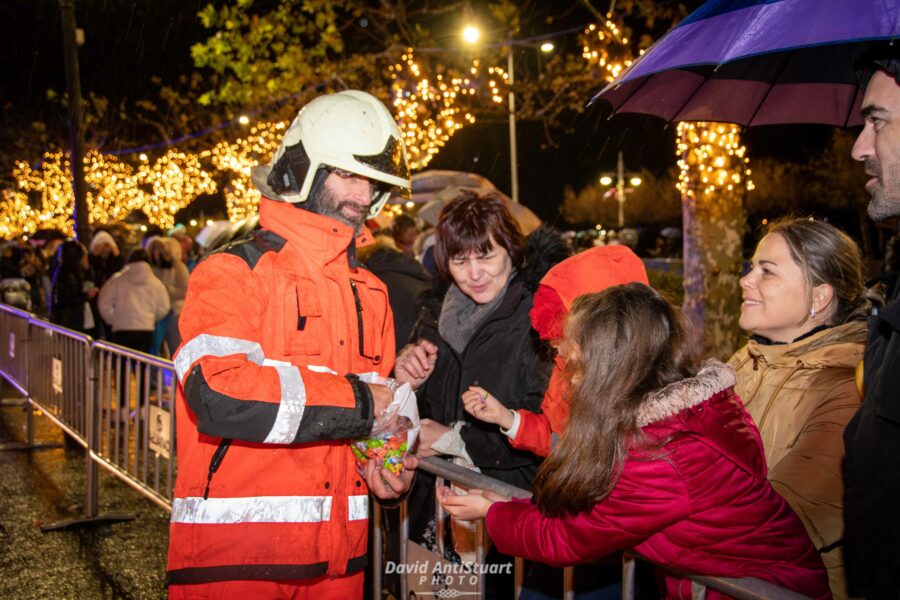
316 192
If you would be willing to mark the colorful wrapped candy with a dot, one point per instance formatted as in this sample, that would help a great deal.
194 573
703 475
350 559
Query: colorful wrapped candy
388 444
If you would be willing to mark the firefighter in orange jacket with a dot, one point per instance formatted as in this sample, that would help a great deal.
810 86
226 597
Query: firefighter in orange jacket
268 502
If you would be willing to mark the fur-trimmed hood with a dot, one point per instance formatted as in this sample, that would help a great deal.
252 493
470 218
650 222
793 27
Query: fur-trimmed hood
706 408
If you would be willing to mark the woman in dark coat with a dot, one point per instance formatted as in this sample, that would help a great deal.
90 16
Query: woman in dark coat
479 333
71 288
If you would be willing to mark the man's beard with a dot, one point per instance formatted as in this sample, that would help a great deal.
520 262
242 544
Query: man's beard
324 202
885 201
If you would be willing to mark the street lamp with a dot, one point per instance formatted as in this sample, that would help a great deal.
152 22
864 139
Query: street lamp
620 192
468 32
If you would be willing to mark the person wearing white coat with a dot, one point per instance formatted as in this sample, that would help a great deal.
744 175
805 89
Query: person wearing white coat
132 301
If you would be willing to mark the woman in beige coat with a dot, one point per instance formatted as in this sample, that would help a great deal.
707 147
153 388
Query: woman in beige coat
805 304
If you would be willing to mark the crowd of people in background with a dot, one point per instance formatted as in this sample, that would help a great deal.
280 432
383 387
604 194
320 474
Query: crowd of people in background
111 287
549 362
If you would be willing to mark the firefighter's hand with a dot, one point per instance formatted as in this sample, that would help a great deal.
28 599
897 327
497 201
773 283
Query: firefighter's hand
415 363
387 486
382 396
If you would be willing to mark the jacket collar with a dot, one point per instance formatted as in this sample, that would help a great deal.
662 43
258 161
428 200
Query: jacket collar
838 345
712 378
322 238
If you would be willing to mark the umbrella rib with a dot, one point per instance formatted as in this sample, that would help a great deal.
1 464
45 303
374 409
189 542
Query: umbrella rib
691 95
630 96
772 85
856 91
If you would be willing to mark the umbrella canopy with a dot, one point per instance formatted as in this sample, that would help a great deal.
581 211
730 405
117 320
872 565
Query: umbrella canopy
427 184
527 220
758 62
213 234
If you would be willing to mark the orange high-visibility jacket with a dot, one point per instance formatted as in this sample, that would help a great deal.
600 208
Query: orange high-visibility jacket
274 329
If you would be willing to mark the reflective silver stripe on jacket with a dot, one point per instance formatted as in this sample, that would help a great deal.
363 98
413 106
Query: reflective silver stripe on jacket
359 508
264 509
293 391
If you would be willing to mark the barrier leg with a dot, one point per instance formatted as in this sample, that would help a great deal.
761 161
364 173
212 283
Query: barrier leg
26 402
92 475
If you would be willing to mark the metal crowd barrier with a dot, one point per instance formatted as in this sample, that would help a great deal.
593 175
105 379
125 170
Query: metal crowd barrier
14 345
117 403
59 383
134 396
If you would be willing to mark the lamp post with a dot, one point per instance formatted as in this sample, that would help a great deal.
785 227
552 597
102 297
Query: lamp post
513 158
620 192
471 35
76 118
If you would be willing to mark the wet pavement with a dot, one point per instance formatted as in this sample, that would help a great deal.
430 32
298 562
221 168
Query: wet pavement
39 487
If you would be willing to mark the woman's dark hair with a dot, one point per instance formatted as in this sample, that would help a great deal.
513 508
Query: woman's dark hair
70 254
469 223
138 255
627 342
827 255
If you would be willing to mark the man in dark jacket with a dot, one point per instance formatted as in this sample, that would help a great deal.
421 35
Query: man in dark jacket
406 280
872 438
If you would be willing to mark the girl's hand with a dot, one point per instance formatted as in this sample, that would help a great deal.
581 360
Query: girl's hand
475 505
484 407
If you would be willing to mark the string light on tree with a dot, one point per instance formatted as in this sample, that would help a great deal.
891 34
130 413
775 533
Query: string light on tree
711 158
606 47
428 111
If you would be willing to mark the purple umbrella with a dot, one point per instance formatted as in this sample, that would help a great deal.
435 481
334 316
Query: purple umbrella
758 62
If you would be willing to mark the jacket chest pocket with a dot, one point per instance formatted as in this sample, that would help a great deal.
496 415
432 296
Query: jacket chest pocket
302 318
371 312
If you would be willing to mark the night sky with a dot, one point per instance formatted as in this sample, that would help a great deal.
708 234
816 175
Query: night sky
127 41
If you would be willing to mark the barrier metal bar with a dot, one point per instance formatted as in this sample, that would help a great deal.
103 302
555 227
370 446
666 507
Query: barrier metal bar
58 376
134 400
14 343
745 588
61 380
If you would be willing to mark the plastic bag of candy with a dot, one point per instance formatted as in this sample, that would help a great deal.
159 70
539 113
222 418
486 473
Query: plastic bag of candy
394 431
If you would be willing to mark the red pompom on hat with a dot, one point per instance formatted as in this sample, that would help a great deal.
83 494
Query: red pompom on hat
588 272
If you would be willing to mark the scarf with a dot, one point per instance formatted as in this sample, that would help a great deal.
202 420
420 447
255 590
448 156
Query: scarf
461 316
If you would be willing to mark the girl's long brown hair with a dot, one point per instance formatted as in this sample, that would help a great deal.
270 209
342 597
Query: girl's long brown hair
628 341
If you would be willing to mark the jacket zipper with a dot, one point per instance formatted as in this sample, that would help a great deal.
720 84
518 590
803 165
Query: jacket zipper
215 463
359 319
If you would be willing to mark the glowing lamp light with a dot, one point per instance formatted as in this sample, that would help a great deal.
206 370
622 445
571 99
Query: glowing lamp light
209 222
193 222
471 34
143 157
547 47
635 181
410 204
605 180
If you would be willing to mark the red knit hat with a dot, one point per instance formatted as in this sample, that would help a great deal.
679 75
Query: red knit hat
588 272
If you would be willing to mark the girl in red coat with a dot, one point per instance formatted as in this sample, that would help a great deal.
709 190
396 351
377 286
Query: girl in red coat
665 461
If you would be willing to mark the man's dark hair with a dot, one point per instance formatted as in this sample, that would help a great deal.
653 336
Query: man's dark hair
883 57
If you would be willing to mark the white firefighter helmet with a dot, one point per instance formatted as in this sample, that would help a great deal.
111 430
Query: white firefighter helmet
351 131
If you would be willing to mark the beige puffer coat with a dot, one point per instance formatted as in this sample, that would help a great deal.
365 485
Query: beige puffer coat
801 396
